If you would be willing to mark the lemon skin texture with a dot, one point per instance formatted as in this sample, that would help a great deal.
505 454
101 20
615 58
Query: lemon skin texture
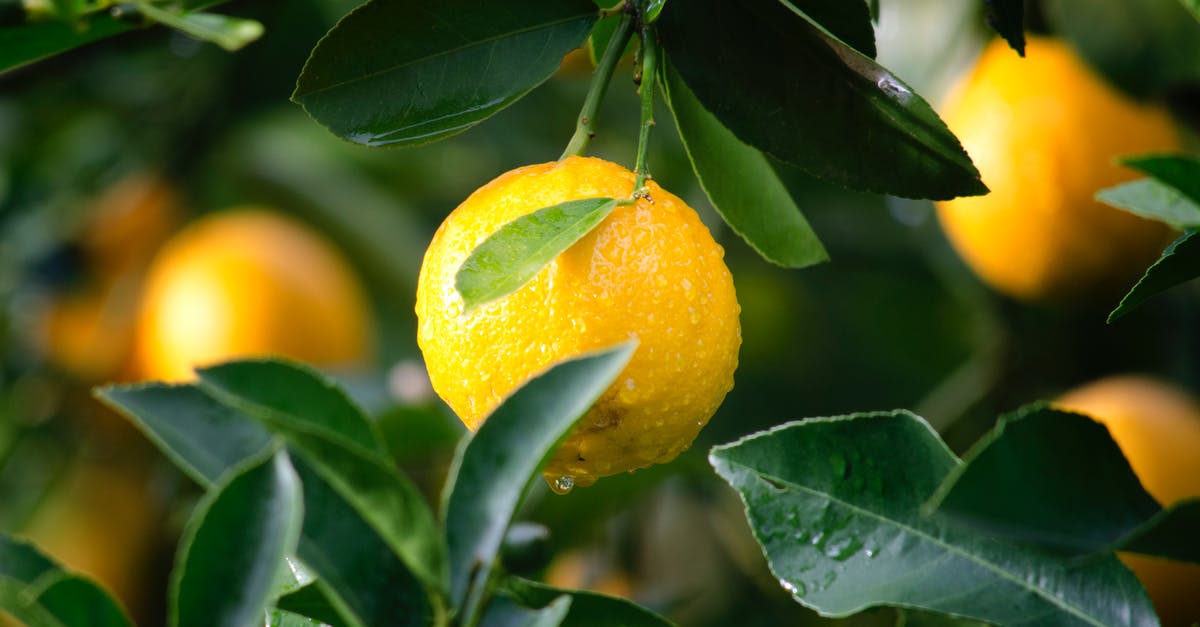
1157 426
250 282
1044 132
649 271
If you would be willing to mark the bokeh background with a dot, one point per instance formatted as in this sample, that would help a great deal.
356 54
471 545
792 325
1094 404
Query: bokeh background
108 150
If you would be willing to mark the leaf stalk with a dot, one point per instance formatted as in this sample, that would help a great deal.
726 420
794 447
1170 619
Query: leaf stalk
586 124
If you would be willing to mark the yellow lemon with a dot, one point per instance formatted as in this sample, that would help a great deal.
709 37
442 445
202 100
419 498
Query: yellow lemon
650 271
1044 132
248 282
1158 428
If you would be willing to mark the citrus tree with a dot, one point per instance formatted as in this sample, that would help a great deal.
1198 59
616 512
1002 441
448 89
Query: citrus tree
581 321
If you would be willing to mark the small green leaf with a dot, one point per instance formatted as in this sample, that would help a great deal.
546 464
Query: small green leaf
403 72
1179 262
200 435
1155 200
653 8
311 602
296 393
588 609
741 185
514 254
1007 17
230 33
602 35
798 94
1193 6
233 551
1179 171
847 20
36 590
498 465
31 42
503 611
284 618
836 505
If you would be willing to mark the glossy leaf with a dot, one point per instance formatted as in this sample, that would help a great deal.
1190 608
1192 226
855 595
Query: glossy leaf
36 590
361 576
1058 479
233 551
1179 171
503 611
230 33
789 89
1007 17
1179 262
283 618
517 251
741 185
848 20
498 465
588 609
295 393
32 42
402 72
835 503
1155 200
653 8
200 435
311 602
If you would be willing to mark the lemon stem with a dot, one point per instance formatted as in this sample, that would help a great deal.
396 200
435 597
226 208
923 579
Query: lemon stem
649 47
586 124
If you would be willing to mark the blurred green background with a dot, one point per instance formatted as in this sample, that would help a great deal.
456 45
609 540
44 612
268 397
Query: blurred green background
895 320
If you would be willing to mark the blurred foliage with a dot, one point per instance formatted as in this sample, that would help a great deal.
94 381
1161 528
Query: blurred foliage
893 321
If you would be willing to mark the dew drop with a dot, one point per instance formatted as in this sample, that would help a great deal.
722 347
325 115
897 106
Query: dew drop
562 485
797 589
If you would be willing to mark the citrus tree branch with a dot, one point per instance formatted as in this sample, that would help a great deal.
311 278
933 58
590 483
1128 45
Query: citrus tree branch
649 72
585 125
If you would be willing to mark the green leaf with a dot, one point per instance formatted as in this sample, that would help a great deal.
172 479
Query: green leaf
359 573
1007 17
233 551
835 503
1179 171
588 609
402 72
503 611
847 20
498 465
741 185
36 590
514 254
1150 198
311 602
200 435
283 618
1170 534
653 8
602 35
230 33
791 90
1193 6
296 394
1179 262
25 44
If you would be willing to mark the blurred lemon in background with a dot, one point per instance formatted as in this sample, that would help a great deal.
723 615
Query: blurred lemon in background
244 282
1044 132
1157 426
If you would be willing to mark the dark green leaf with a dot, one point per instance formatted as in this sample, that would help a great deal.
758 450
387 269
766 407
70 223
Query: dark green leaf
1007 17
653 8
312 602
36 590
1179 171
793 91
20 45
602 35
296 394
1155 200
203 437
1170 534
230 33
835 503
741 184
848 20
588 609
498 465
401 72
514 254
1179 262
233 551
80 602
359 574
503 611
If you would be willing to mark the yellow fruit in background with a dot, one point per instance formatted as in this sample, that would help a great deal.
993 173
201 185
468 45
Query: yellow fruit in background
247 282
580 570
1044 132
650 271
1157 426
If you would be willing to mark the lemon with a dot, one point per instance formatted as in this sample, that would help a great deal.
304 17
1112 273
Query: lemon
650 271
1157 427
1044 132
249 282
